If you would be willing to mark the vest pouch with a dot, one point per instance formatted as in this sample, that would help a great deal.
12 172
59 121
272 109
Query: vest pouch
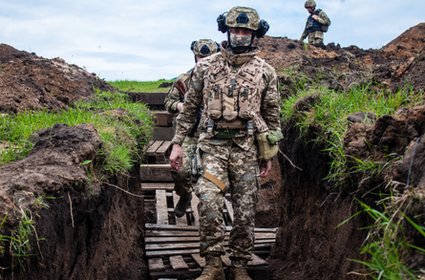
214 103
249 102
266 151
230 113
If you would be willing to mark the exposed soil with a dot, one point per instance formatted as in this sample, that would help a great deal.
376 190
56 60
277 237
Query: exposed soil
29 82
93 231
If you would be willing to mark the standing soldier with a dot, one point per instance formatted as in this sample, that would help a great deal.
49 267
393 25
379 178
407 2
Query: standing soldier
317 23
239 134
174 104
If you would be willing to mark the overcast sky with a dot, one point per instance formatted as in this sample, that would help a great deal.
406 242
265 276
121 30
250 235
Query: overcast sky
149 40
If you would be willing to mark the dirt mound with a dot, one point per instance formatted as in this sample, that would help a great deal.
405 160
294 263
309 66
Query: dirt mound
53 166
83 230
29 82
409 44
398 64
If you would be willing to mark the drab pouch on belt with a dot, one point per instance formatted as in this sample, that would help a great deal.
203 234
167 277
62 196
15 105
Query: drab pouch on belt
266 150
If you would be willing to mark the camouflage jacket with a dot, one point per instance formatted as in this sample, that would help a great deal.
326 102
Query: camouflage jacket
177 92
197 95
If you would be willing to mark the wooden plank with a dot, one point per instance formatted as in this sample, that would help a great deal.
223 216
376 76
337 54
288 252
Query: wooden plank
171 252
172 227
156 264
162 118
177 263
194 228
162 150
146 147
260 237
168 233
161 207
194 207
185 238
171 239
152 148
154 246
155 173
179 220
188 251
148 186
199 260
163 133
150 98
256 261
169 246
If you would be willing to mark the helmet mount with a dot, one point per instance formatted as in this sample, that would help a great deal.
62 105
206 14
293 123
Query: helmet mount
243 17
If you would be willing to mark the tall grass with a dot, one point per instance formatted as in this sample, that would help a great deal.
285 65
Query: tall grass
119 133
330 112
139 86
386 243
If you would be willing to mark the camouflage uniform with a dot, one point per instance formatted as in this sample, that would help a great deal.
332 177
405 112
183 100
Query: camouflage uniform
312 28
229 153
182 178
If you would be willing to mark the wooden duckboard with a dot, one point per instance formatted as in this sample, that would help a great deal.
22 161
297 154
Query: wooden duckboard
172 243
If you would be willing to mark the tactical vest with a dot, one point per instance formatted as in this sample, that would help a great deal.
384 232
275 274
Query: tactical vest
313 25
233 93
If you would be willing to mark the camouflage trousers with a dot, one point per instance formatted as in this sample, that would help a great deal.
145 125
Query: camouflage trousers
183 178
316 38
237 173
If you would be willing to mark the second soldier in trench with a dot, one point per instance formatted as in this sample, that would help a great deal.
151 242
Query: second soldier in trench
173 103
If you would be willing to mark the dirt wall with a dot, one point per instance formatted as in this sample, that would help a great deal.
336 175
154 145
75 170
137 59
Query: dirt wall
89 230
310 245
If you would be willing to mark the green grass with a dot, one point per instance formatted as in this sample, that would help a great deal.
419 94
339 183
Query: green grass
123 127
386 243
119 131
330 112
138 86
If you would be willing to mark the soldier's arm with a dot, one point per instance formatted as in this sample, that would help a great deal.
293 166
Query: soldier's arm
176 93
270 107
172 99
193 98
323 18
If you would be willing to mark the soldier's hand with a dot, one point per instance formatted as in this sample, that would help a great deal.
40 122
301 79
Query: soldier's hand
265 168
315 17
180 107
176 157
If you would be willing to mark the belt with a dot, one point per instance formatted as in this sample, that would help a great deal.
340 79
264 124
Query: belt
227 133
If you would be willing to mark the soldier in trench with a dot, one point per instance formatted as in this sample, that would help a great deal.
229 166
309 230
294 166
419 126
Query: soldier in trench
173 103
239 135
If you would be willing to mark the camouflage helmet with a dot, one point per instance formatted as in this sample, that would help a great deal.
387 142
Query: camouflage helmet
310 4
242 17
204 47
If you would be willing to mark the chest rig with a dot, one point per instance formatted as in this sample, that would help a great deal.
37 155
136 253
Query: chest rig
232 95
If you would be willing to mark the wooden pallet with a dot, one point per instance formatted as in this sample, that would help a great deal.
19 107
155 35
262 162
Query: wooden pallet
157 151
172 244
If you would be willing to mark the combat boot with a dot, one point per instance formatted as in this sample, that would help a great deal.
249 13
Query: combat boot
182 205
239 273
213 269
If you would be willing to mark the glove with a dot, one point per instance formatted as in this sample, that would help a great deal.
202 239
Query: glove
274 136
